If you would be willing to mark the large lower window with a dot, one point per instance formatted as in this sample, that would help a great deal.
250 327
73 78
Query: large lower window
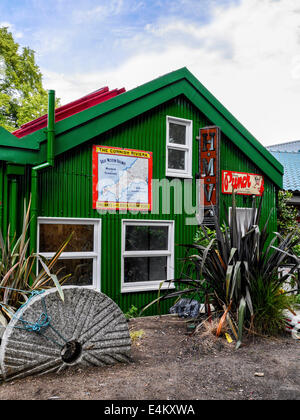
179 147
147 254
81 257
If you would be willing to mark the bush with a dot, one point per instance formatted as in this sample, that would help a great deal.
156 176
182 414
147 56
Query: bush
238 273
17 271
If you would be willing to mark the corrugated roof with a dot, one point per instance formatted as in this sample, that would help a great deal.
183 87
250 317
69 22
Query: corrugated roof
65 111
92 122
292 146
291 164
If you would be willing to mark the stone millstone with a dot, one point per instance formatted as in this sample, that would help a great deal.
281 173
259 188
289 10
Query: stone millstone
89 329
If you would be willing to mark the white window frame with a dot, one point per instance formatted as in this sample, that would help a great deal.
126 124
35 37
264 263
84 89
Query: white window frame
187 148
95 255
148 285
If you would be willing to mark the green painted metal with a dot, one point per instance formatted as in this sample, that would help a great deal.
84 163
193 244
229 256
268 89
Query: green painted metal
5 201
1 194
9 140
137 120
83 126
233 159
66 189
13 198
15 169
36 169
50 129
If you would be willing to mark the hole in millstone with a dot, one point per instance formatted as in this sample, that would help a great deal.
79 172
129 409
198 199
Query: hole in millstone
71 351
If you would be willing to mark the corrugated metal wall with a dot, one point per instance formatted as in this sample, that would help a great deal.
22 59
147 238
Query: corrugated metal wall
66 190
233 159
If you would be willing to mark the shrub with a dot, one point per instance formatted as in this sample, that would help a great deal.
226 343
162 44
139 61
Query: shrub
17 271
238 273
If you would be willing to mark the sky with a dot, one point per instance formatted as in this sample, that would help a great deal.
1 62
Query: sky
245 52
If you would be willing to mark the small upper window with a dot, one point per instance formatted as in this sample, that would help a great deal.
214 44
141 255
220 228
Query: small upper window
179 147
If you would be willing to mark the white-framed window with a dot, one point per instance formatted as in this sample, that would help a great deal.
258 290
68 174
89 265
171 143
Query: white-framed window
81 257
147 254
179 147
244 218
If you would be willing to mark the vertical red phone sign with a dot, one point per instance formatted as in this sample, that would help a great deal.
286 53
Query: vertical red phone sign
209 164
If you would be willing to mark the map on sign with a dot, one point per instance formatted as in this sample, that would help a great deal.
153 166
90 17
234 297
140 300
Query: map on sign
121 178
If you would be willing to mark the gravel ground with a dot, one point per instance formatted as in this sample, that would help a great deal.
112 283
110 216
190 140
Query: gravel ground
168 363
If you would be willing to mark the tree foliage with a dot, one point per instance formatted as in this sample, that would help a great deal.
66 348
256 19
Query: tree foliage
287 217
22 96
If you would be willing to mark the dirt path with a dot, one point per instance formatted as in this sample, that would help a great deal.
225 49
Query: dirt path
169 364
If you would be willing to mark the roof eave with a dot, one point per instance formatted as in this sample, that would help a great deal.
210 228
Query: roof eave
149 95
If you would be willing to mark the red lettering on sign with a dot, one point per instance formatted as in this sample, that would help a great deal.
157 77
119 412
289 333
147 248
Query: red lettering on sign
242 183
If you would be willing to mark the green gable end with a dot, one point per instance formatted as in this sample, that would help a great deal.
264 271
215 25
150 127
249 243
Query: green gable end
89 123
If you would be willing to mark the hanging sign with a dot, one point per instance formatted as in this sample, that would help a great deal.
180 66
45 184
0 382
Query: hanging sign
242 183
209 170
121 178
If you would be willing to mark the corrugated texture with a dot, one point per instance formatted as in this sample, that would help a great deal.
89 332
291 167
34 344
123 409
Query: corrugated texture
233 159
66 190
69 109
291 164
291 146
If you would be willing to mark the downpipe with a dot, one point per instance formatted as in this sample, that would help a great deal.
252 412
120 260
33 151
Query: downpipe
36 169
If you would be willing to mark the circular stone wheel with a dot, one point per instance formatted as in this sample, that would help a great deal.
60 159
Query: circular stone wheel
86 329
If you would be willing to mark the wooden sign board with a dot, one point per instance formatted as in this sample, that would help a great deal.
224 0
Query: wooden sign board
242 183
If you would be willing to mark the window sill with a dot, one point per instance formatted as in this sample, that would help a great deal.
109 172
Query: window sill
144 288
178 175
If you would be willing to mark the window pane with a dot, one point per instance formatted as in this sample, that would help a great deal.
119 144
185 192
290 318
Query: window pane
146 238
177 133
81 271
145 269
52 236
176 159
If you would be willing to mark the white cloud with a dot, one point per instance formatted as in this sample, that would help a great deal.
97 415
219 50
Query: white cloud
247 56
11 28
98 13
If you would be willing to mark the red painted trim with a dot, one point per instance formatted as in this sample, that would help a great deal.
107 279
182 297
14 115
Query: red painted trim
69 109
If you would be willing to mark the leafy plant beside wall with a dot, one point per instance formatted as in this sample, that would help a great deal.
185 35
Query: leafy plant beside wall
238 273
18 278
287 217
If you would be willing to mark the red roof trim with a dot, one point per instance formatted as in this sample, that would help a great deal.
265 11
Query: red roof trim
65 111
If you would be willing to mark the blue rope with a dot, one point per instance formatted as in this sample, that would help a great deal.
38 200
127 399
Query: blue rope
43 322
20 290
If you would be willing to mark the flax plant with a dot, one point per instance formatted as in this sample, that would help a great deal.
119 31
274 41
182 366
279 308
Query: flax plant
18 278
238 272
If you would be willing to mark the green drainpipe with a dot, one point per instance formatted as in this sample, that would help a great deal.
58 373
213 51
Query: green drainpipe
35 170
13 199
5 201
1 196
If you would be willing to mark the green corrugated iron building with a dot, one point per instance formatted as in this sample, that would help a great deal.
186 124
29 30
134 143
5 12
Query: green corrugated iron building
89 170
